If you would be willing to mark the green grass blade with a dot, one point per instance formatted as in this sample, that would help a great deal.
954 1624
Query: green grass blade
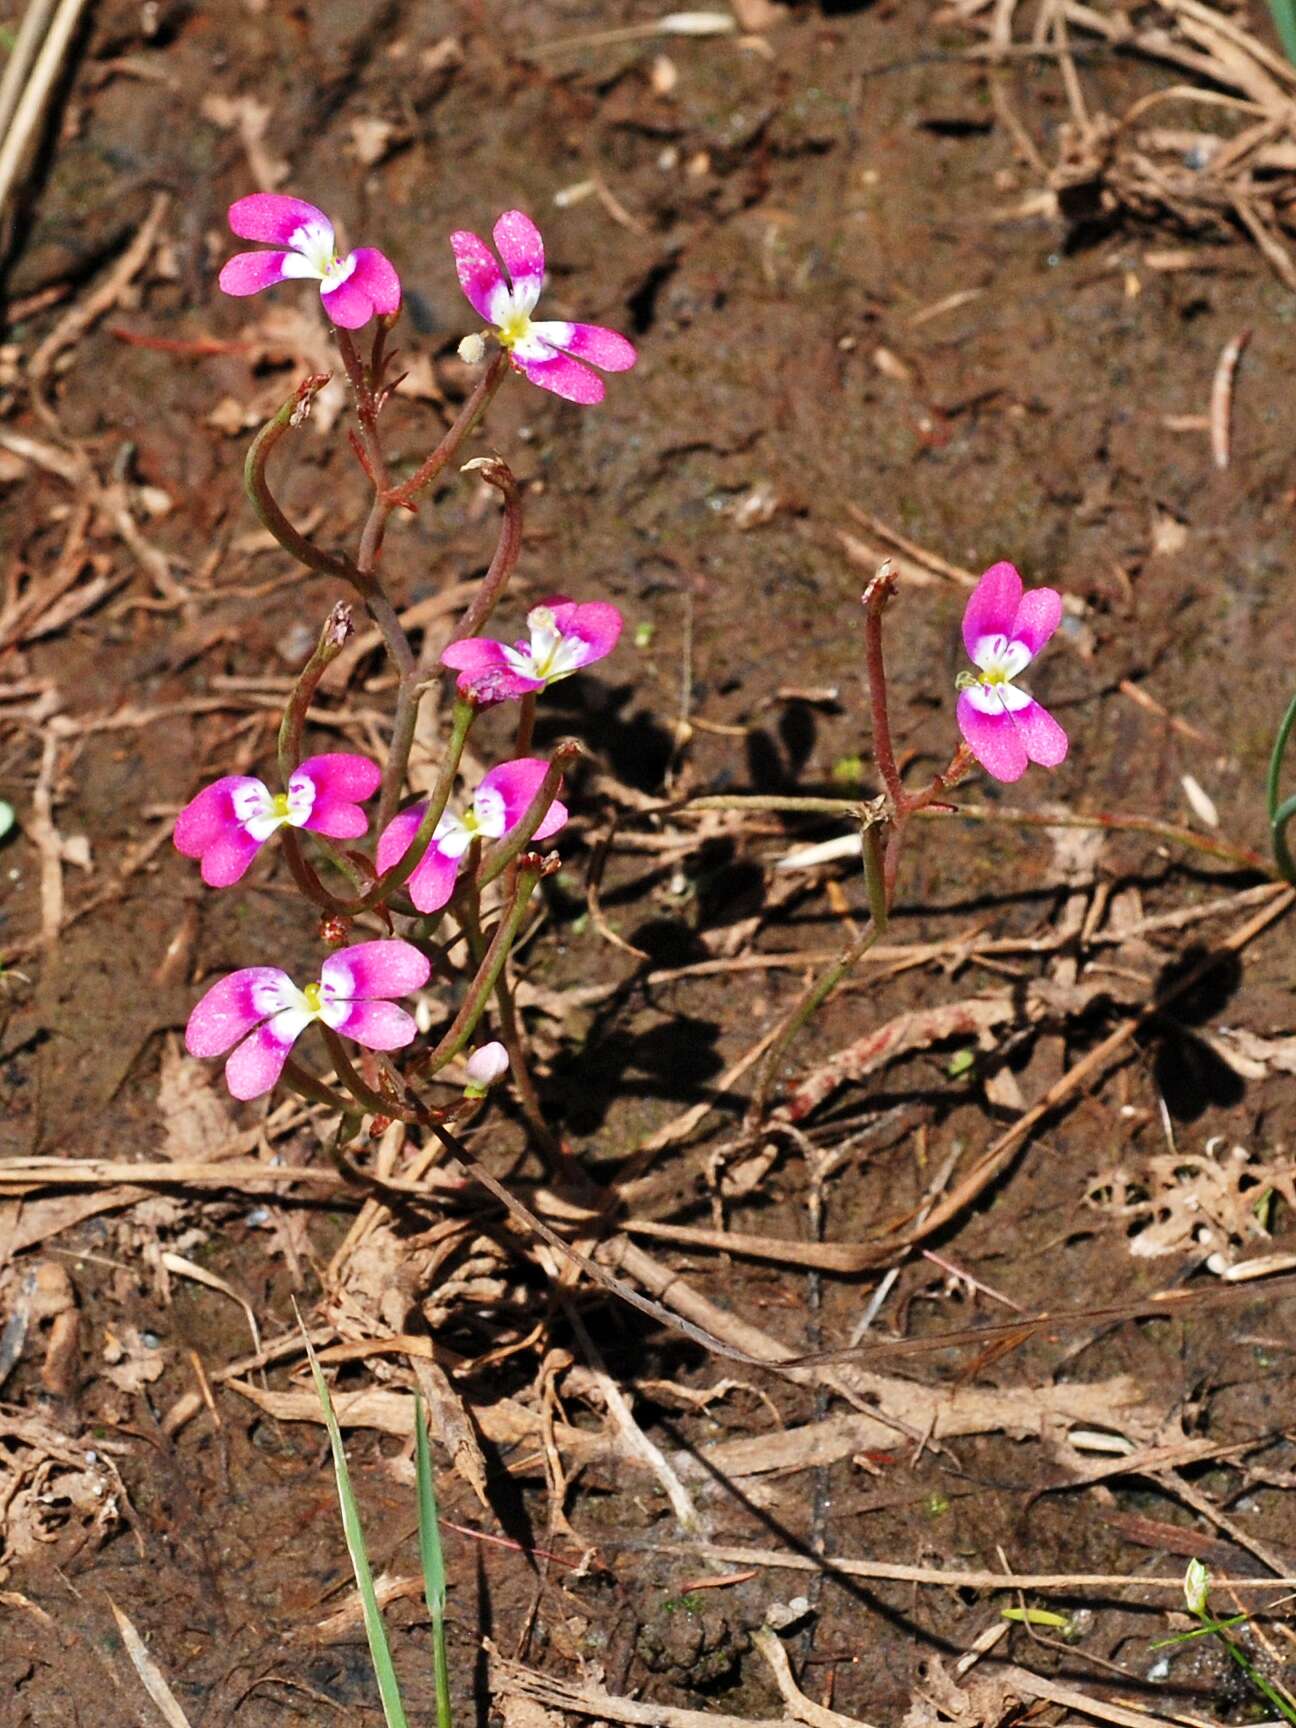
434 1579
1284 17
375 1631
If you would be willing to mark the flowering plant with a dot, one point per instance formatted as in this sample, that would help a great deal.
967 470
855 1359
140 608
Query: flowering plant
475 861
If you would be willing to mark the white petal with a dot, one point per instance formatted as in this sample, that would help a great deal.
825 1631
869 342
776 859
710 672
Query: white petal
453 837
337 273
997 698
500 307
301 799
491 816
314 242
297 264
532 347
279 995
553 331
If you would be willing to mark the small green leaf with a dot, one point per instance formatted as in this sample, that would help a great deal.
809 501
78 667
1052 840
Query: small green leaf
434 1578
960 1062
644 633
1037 1617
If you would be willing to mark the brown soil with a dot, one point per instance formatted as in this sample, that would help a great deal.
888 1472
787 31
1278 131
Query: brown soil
771 231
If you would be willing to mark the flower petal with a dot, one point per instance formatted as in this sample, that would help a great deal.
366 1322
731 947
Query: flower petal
1045 740
565 377
433 881
1039 612
250 272
517 783
596 622
484 671
518 242
232 1006
273 218
994 740
394 841
255 1067
342 781
376 275
992 606
348 305
603 348
479 274
208 817
375 969
379 1026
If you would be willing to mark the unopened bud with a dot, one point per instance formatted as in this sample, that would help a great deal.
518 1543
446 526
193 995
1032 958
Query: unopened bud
1196 1587
472 350
338 627
487 1064
334 929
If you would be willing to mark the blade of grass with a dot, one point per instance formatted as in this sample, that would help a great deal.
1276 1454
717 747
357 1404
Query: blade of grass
434 1578
155 1683
375 1631
1284 17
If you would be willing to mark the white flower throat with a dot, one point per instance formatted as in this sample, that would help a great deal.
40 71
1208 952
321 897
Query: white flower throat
998 662
261 812
550 654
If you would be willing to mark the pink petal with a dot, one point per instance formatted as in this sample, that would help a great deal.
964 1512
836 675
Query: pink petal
342 782
517 783
375 969
227 1010
433 880
485 675
255 1067
348 305
1039 612
519 244
992 607
564 377
479 274
226 860
376 274
379 1026
993 739
271 217
206 818
250 272
601 347
1044 739
596 622
394 841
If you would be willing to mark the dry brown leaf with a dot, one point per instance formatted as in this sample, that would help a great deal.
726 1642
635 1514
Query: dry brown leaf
250 118
130 1362
195 1117
1210 1201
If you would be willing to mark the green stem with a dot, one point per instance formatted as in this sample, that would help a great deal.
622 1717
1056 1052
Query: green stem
316 1090
498 858
1281 814
333 637
1284 17
403 496
479 991
464 714
510 1030
263 501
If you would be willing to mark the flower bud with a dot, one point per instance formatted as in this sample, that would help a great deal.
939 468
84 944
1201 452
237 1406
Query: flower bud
472 350
487 1064
1196 1587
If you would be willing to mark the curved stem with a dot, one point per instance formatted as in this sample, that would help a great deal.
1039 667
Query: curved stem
257 486
333 637
498 474
403 496
876 595
1281 815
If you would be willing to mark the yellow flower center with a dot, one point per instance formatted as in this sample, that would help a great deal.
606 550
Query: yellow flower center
514 328
312 995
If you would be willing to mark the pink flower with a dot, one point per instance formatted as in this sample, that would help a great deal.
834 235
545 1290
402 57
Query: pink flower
549 352
565 636
1003 630
263 1013
498 805
353 288
230 820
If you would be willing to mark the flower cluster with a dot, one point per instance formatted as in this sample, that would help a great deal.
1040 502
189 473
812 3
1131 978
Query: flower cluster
439 854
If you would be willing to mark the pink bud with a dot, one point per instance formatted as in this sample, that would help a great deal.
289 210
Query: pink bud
487 1064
